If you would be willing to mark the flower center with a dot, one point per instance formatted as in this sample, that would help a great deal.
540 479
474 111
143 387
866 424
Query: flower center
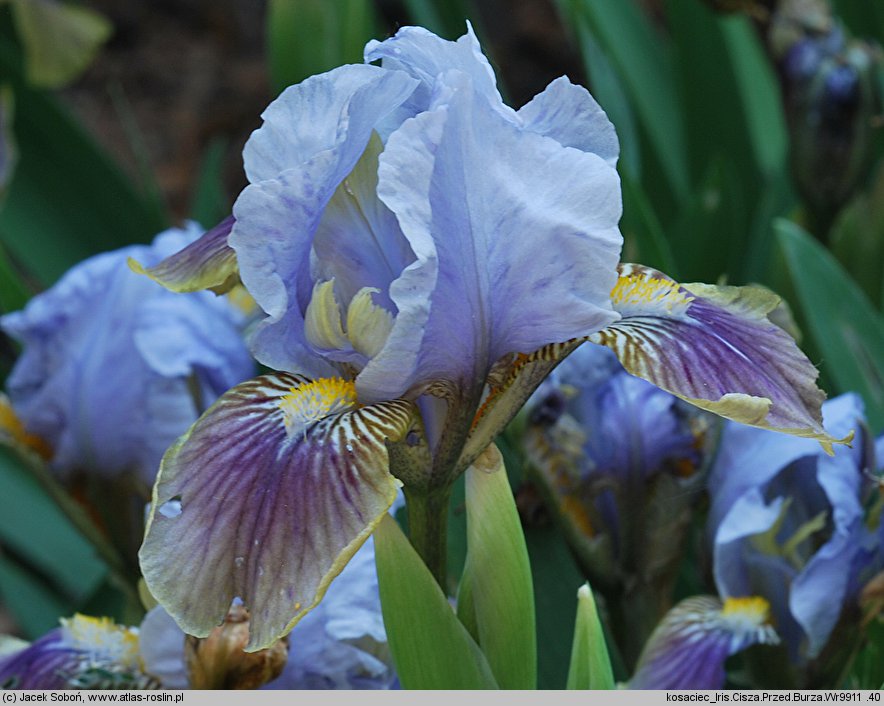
363 331
637 294
101 636
309 403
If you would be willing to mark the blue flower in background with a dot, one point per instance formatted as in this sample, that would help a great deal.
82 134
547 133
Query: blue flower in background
620 463
114 367
787 522
689 647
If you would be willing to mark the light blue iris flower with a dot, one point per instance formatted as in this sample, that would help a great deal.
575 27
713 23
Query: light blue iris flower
787 522
114 368
424 255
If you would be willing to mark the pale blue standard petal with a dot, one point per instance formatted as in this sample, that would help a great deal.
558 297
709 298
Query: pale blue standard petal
571 116
425 56
107 375
515 235
300 196
689 647
274 488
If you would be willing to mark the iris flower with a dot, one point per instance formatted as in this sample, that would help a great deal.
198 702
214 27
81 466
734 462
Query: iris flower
424 255
83 653
788 523
689 648
113 368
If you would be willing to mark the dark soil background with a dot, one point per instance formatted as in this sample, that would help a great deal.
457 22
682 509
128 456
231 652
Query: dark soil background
177 74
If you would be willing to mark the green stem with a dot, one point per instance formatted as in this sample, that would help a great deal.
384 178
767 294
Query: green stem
428 529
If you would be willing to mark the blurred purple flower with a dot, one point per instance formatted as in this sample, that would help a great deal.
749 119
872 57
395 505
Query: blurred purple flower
787 523
689 647
114 368
84 653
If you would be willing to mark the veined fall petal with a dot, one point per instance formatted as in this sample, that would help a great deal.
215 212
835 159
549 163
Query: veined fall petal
84 653
689 647
274 488
715 348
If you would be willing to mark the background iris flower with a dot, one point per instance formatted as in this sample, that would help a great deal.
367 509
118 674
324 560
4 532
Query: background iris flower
424 256
114 368
801 529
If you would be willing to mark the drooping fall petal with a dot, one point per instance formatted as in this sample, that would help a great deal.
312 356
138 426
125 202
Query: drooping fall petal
715 348
266 498
689 647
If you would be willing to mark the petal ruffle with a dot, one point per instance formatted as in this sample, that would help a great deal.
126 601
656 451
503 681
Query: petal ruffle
207 263
266 498
516 239
716 348
689 647
572 117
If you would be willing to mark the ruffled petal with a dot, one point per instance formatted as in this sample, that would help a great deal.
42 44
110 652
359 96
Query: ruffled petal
572 117
689 647
715 348
423 55
266 498
335 111
207 263
515 237
313 214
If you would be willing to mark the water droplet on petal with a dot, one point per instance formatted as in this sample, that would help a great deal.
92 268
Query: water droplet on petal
239 561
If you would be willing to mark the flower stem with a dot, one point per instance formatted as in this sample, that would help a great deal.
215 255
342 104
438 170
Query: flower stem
428 529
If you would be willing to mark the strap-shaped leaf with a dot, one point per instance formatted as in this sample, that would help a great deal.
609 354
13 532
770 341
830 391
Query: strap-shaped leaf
431 648
499 595
590 663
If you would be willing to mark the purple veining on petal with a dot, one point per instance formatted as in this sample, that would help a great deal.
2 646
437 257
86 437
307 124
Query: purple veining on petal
689 647
273 513
716 348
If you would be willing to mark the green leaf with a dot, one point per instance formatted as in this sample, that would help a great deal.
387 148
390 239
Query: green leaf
33 526
14 293
60 39
431 648
496 599
642 231
844 325
306 37
35 606
590 665
758 94
608 91
67 199
645 68
857 238
447 18
210 203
